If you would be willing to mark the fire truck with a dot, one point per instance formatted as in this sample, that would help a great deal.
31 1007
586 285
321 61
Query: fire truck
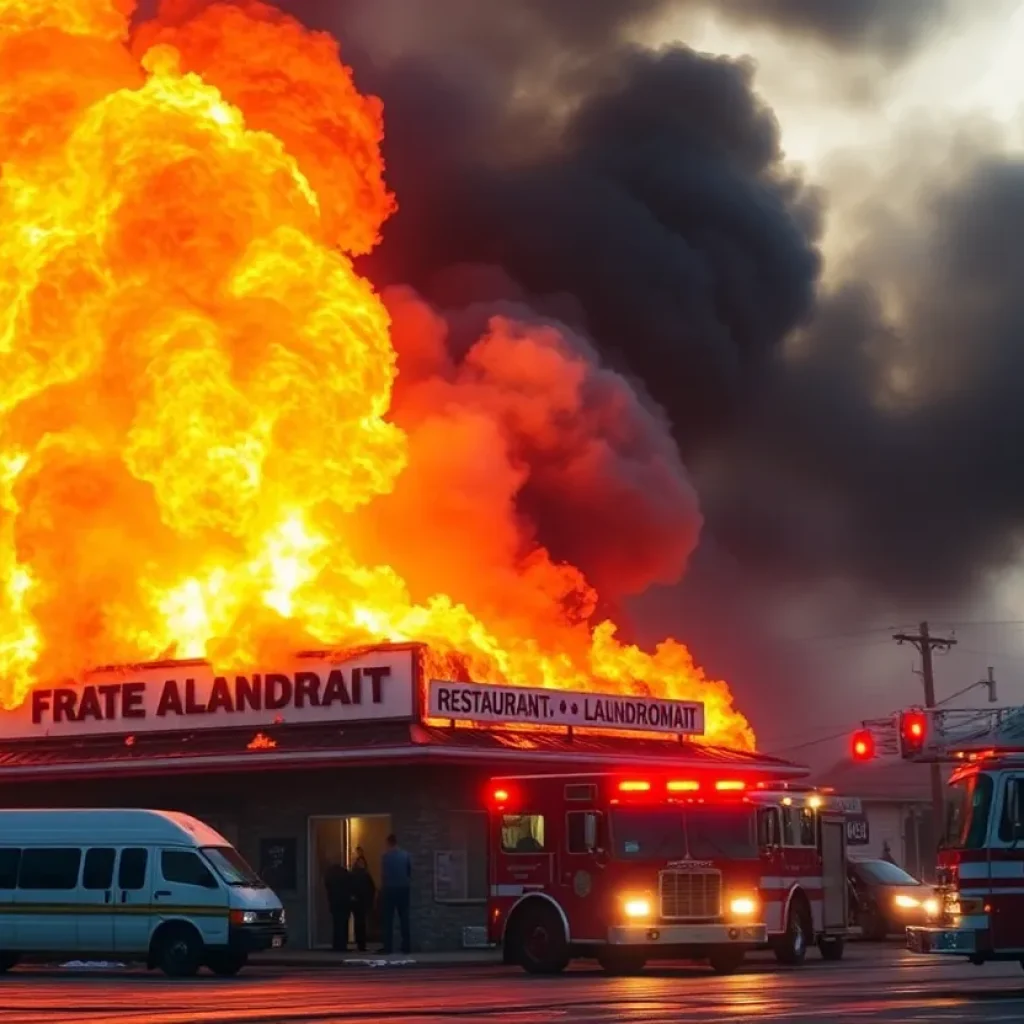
629 868
980 912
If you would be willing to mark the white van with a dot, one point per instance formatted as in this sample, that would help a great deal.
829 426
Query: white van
130 885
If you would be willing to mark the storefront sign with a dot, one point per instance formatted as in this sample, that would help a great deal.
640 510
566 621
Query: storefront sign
374 686
846 804
499 705
857 830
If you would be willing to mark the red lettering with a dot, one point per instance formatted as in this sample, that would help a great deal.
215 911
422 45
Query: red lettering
64 706
170 700
335 691
356 686
248 695
132 697
41 702
307 688
192 705
220 696
277 691
109 692
376 674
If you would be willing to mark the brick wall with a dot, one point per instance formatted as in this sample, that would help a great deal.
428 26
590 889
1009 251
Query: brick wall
254 806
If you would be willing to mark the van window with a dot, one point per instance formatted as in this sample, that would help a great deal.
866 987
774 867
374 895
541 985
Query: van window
49 868
9 868
131 873
98 872
185 867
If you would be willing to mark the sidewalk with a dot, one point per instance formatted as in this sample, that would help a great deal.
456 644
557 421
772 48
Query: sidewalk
328 958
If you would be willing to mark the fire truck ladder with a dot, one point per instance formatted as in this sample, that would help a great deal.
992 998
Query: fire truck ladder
958 734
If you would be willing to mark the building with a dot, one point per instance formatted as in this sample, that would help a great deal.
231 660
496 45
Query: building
889 807
299 766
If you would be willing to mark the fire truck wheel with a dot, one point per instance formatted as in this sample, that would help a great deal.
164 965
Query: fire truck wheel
541 941
831 948
791 947
621 962
726 959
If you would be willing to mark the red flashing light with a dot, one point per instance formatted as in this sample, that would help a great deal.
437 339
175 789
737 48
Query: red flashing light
682 786
634 786
913 728
863 745
500 796
730 786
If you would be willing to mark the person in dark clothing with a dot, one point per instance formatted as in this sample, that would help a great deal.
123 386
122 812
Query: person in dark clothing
395 882
338 883
363 892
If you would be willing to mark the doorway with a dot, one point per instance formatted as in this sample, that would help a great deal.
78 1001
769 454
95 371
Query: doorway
335 839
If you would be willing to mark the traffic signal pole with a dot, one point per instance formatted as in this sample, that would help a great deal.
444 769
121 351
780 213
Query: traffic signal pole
926 643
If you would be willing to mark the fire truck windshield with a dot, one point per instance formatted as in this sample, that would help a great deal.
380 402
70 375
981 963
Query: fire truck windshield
968 805
665 833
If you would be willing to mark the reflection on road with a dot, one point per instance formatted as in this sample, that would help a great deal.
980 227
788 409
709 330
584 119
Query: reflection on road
872 984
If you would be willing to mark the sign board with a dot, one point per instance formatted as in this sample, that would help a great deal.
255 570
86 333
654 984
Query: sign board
376 685
846 804
506 705
279 864
451 876
858 832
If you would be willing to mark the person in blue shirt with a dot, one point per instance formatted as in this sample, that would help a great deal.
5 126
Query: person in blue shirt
395 882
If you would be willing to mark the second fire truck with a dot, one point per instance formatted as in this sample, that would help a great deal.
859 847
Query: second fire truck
981 850
629 868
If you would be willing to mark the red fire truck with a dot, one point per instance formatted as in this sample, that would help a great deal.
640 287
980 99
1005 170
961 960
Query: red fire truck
629 868
981 850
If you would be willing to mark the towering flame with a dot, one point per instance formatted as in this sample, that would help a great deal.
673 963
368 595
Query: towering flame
205 445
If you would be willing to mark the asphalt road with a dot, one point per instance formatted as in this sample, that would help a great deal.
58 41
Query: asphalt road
872 984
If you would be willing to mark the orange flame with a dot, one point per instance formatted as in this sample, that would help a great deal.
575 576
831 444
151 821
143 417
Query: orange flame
198 449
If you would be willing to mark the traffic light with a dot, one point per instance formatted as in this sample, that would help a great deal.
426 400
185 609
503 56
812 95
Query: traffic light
863 745
913 732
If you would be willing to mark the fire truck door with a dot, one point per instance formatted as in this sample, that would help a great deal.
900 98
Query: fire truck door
583 863
833 873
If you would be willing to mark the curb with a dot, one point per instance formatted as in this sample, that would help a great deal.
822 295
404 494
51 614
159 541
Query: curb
372 963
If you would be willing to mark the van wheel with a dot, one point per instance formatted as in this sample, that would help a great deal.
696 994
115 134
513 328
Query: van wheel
226 964
791 946
543 946
179 952
8 960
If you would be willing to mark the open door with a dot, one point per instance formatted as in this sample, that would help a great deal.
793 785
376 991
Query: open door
833 871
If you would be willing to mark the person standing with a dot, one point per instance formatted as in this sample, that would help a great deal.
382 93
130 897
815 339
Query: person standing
363 892
338 883
395 884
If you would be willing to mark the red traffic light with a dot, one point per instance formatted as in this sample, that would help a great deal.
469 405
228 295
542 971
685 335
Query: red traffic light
863 745
913 730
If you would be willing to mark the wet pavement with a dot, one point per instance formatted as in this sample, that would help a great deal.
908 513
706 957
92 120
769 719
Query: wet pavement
874 983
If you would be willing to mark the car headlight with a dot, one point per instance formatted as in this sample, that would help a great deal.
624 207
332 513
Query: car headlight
636 906
743 906
906 902
931 907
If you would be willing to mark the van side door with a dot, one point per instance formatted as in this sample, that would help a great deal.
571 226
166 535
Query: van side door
46 901
96 896
10 857
188 888
133 912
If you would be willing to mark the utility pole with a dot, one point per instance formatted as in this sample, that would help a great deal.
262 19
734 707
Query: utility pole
926 643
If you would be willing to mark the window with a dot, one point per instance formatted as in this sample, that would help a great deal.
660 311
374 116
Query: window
233 867
1011 810
49 868
881 872
185 868
583 831
9 860
581 791
522 833
131 873
769 833
98 872
970 801
808 831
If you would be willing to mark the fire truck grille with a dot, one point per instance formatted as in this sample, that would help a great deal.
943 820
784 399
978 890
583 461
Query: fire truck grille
690 894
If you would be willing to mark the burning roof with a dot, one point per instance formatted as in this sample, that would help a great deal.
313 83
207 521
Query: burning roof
206 449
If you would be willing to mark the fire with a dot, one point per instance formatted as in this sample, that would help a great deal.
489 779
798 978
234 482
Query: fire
202 451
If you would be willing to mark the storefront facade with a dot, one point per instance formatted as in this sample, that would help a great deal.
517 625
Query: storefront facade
299 783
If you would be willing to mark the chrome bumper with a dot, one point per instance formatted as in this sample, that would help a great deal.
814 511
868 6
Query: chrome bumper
955 941
688 935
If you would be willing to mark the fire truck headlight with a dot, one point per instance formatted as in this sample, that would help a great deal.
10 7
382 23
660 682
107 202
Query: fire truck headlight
636 906
906 902
931 907
743 906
